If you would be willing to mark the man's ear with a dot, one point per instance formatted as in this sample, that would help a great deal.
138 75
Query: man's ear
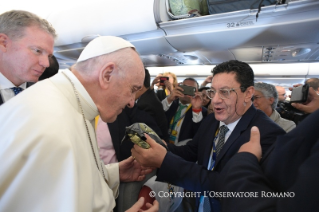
4 39
249 93
105 75
271 100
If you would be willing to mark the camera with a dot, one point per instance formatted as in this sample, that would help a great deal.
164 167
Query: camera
287 111
300 94
162 79
188 90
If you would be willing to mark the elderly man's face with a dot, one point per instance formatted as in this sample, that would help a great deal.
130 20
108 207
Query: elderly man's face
26 58
232 108
123 89
262 102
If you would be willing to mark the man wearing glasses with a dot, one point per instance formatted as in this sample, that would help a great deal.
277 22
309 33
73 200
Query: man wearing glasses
218 138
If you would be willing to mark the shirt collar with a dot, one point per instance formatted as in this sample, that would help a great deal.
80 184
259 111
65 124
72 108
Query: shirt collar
230 126
7 84
89 108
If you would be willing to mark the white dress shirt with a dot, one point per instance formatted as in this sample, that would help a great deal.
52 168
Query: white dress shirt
5 88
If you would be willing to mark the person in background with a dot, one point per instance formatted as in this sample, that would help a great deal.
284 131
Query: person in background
172 79
265 99
183 112
156 82
206 100
207 81
48 148
26 45
313 83
166 88
52 70
281 93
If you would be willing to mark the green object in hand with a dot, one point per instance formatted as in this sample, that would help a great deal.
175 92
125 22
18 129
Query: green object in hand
136 134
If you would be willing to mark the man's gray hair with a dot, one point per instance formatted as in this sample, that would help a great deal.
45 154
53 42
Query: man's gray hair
13 23
268 90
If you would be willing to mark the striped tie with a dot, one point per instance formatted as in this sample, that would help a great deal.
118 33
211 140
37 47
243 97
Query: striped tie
221 141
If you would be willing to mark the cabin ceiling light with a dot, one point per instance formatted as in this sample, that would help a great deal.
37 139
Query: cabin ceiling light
191 57
300 51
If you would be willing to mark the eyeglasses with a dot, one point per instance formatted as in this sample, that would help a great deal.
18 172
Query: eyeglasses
222 93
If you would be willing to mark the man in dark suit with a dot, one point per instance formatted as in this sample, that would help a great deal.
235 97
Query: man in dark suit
289 180
26 43
148 102
219 137
184 113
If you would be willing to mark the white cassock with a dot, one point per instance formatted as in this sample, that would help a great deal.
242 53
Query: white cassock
47 162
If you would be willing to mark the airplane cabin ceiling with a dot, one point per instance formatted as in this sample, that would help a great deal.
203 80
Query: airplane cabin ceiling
290 31
282 33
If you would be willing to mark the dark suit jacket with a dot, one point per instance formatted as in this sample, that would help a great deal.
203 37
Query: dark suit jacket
128 117
292 166
179 167
149 103
188 128
28 85
161 95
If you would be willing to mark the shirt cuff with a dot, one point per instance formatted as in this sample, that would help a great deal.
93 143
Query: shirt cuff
165 104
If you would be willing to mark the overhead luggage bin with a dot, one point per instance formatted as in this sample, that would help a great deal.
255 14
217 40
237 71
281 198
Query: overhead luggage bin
278 27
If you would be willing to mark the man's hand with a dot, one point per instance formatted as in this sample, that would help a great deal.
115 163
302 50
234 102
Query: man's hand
207 80
175 93
253 146
197 101
131 170
152 157
312 103
155 81
168 85
139 204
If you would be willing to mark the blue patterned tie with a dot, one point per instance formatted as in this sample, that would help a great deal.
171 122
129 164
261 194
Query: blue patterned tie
221 141
16 90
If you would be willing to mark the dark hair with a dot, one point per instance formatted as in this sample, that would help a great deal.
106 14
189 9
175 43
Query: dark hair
313 82
244 73
51 70
191 79
203 88
147 79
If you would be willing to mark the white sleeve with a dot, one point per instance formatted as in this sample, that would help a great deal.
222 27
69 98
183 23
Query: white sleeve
165 104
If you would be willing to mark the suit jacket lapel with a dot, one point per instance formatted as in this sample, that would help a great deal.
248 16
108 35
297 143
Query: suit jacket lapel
241 126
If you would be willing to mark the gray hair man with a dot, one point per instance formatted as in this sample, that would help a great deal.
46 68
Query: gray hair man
48 145
281 93
266 99
26 44
313 83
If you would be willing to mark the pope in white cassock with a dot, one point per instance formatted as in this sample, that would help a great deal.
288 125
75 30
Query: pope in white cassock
48 151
